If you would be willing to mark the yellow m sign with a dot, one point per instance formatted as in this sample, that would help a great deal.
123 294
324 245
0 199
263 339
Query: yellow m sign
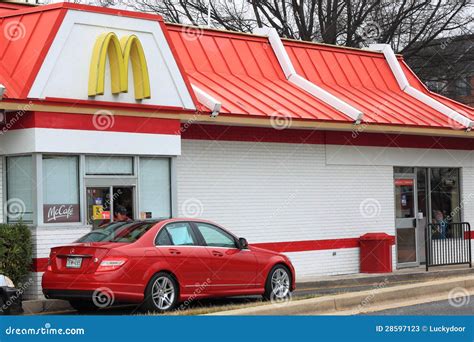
120 53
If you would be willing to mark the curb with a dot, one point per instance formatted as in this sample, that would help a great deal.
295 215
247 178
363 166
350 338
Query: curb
45 305
356 301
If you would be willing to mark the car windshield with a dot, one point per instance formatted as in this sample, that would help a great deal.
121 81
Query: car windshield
118 232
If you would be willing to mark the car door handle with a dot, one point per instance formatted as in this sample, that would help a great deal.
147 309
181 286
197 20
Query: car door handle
216 253
174 251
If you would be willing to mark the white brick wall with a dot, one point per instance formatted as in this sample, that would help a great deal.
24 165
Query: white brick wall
269 192
44 238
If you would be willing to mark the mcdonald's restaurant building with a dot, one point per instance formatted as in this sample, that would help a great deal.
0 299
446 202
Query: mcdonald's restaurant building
302 148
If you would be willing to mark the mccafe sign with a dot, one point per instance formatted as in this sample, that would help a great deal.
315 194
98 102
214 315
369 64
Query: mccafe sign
57 213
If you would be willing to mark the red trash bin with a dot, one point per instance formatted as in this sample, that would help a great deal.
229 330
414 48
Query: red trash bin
376 253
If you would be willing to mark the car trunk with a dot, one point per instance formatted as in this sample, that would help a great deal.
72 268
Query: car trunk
80 258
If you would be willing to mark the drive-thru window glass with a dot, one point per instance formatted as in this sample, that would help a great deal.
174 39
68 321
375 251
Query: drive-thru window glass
20 185
155 188
61 189
109 165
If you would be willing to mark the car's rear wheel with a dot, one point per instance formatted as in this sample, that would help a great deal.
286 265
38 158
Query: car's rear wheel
162 293
278 284
83 305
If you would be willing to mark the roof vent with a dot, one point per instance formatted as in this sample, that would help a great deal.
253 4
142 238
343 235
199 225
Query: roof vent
303 83
208 101
402 81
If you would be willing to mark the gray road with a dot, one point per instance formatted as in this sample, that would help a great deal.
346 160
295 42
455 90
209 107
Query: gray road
464 306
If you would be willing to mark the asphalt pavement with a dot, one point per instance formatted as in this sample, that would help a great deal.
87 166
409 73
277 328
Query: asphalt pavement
462 307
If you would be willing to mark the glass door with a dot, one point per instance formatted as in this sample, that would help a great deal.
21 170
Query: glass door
405 219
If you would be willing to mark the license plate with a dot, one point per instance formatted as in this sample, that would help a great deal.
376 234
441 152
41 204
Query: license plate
73 262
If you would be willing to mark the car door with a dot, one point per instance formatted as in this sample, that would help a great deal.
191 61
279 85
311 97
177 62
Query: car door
232 268
189 261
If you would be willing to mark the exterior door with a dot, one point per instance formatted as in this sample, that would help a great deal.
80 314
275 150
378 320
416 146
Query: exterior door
232 268
179 245
406 220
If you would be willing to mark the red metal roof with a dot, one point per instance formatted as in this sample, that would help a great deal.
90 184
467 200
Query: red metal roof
364 80
27 37
243 72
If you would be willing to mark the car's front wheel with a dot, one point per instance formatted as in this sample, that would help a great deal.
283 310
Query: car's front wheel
278 284
162 293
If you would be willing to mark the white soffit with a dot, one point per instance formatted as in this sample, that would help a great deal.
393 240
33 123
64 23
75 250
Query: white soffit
207 100
303 83
402 81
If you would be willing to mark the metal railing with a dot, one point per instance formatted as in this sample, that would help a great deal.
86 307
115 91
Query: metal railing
448 243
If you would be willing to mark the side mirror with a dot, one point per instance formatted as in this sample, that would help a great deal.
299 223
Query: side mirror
243 244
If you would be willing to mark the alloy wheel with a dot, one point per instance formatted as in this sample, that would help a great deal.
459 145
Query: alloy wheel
163 293
280 283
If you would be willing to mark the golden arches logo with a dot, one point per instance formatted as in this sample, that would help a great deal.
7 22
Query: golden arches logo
120 53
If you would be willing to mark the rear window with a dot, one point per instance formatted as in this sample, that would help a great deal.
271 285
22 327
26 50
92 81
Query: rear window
118 232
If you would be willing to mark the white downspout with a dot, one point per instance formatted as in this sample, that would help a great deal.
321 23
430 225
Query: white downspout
402 81
208 101
301 82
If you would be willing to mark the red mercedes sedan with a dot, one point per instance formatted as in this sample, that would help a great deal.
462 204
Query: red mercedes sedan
162 263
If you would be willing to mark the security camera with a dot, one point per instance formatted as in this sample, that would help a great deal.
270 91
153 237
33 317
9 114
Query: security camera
2 91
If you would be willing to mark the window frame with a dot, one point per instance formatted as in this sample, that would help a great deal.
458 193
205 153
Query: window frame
5 193
41 190
220 229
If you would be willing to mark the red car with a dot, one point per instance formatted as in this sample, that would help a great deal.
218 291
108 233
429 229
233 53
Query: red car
162 263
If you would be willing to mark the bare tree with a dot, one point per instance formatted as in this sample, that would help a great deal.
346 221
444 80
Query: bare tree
408 25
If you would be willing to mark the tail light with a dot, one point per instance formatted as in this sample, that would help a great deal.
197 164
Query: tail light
111 264
49 267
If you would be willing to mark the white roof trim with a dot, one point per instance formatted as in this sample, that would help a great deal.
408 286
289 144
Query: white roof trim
301 82
402 81
208 101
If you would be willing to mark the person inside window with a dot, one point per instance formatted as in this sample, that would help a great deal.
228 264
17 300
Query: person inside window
120 214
